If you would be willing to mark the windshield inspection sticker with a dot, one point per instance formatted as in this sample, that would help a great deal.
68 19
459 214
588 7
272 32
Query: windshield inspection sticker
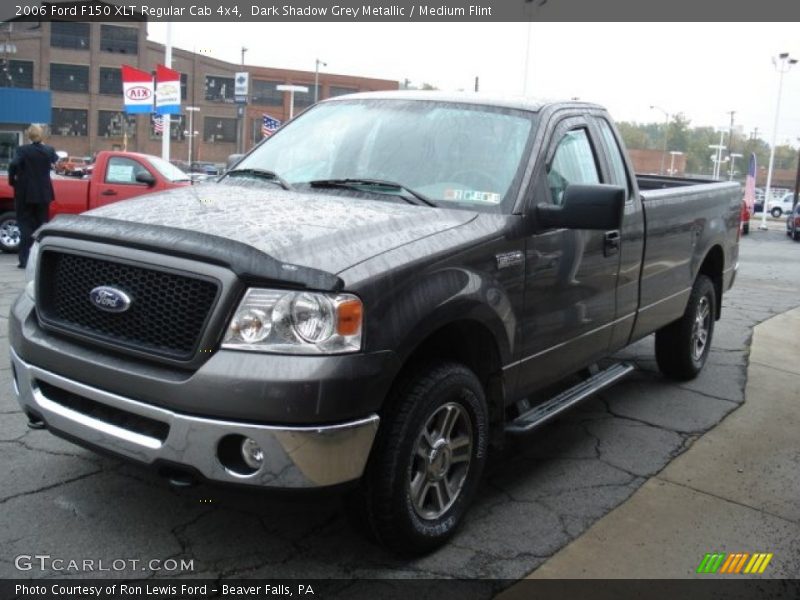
472 196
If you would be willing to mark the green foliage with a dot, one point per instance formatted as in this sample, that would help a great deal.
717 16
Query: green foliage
694 142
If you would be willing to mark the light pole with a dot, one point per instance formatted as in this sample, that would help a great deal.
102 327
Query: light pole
719 148
673 154
733 156
782 64
191 110
316 78
292 89
666 130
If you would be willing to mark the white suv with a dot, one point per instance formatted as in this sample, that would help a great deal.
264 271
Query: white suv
780 206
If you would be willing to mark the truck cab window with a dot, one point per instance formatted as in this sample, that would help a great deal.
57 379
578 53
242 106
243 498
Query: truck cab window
573 162
619 175
123 170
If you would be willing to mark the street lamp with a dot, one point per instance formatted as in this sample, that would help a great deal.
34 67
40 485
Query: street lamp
666 128
191 110
782 64
316 78
673 154
292 89
733 156
719 148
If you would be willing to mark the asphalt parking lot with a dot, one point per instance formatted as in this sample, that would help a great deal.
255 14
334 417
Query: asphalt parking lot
538 495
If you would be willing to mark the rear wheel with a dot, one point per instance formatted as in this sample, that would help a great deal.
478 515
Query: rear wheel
776 212
427 460
9 232
682 347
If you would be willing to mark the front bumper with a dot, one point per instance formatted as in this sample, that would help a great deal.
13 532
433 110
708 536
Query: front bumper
294 457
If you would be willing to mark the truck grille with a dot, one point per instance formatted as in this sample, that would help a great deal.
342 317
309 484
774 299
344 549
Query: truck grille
167 314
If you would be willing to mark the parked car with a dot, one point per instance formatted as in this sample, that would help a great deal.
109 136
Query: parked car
781 205
114 176
745 219
74 166
793 223
376 315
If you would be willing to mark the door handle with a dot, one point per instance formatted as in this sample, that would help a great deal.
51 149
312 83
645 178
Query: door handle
611 241
108 193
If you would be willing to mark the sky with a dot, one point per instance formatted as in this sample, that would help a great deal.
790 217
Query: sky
703 70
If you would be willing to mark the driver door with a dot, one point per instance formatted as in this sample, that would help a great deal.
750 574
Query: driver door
571 276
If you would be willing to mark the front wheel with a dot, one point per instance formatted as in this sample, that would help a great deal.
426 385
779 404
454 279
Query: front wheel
682 347
427 460
776 212
796 235
9 232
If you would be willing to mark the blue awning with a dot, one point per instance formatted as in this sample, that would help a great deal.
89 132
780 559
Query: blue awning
23 106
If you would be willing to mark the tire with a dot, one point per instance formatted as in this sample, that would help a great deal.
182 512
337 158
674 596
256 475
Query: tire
796 236
746 229
681 348
9 232
413 455
776 212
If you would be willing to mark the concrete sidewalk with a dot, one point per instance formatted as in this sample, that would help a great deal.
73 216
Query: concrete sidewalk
737 489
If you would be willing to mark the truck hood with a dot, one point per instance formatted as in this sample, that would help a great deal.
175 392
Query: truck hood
326 232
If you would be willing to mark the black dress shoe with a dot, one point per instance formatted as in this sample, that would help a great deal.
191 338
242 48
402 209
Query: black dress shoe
20 266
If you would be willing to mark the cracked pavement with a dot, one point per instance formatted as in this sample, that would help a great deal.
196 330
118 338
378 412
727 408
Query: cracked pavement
540 493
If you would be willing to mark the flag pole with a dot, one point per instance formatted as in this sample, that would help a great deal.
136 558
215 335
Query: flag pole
165 135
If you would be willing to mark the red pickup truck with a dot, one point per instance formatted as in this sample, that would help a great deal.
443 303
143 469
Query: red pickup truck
116 176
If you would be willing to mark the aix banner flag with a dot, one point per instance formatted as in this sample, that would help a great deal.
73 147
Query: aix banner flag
137 90
168 91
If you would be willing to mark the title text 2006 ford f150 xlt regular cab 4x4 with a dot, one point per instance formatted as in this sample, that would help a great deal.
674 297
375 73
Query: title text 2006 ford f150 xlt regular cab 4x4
371 296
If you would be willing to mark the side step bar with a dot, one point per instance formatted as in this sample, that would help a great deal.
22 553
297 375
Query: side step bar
544 412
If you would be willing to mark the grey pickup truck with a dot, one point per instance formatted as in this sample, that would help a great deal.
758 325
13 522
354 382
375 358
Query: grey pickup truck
371 299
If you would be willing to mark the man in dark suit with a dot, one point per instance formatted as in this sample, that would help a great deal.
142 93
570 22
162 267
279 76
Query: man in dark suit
29 174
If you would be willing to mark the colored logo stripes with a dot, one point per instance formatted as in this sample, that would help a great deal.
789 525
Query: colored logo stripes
734 563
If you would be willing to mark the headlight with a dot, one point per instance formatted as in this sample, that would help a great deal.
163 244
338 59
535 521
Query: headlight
30 271
286 322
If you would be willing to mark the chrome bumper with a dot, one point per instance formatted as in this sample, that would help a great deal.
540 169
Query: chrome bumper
294 457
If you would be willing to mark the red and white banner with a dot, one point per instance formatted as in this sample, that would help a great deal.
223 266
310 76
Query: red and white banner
168 91
137 89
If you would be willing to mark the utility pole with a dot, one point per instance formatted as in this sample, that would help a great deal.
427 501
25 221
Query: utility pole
797 179
730 132
477 86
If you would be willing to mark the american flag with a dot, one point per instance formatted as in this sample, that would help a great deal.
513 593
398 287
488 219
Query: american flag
158 123
750 184
269 125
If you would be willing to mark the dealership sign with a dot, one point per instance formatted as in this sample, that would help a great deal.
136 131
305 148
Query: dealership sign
137 89
168 91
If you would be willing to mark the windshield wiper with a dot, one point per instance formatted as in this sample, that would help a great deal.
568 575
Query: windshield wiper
355 183
263 174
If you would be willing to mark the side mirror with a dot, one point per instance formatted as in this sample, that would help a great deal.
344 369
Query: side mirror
585 207
146 177
232 160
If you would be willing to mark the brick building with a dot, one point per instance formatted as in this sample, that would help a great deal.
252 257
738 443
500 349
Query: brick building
650 161
80 64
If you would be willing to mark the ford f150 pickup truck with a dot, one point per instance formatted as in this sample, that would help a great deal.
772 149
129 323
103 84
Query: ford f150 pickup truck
372 298
116 176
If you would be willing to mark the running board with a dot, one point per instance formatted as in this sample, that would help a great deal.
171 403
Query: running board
542 413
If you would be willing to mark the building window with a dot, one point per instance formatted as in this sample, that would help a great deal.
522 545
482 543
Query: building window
113 124
336 90
184 87
176 128
110 81
216 129
304 100
121 40
70 34
69 78
70 121
219 89
16 73
265 94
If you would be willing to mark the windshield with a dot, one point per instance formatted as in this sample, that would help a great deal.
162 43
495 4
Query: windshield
454 154
167 169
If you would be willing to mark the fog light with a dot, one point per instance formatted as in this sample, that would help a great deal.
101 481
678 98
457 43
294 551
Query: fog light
252 454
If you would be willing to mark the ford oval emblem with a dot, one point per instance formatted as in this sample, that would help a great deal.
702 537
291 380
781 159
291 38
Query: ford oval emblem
110 299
